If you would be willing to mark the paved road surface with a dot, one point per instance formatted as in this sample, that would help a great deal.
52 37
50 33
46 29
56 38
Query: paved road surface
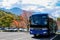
15 36
57 37
21 36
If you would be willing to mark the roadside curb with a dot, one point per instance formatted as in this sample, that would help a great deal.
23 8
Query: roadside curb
57 32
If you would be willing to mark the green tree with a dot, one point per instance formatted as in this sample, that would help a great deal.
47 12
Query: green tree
6 18
58 19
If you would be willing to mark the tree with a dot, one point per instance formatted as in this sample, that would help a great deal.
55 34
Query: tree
58 19
5 18
25 19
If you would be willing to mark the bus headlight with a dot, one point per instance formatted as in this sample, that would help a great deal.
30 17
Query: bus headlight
44 32
44 29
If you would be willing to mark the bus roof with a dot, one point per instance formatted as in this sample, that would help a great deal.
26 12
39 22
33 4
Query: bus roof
40 15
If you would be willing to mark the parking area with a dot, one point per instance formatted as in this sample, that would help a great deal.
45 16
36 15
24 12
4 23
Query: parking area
25 36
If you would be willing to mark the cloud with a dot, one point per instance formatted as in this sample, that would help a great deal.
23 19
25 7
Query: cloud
8 3
37 3
27 4
56 13
45 6
30 8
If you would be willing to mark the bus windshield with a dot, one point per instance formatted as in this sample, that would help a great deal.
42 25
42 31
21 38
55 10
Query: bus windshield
38 20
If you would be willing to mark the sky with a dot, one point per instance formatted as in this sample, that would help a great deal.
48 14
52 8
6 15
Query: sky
45 6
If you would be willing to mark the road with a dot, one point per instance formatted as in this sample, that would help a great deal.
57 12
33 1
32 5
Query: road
23 36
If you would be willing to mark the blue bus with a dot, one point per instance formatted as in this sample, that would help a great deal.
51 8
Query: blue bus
41 24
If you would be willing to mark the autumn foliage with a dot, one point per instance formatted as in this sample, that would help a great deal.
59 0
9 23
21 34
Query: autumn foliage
24 20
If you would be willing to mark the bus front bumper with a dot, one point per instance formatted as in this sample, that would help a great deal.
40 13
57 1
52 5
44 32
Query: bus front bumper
42 32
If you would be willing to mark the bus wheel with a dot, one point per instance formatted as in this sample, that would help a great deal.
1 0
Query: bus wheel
49 33
35 35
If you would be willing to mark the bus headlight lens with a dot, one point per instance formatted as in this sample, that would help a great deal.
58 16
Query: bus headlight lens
44 29
44 32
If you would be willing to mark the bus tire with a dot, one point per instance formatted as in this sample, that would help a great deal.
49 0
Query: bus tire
35 35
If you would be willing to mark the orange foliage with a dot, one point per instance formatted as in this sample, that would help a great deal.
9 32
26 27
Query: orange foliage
24 18
21 18
16 23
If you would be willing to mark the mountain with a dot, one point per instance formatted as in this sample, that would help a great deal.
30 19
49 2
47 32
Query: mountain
14 10
7 10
